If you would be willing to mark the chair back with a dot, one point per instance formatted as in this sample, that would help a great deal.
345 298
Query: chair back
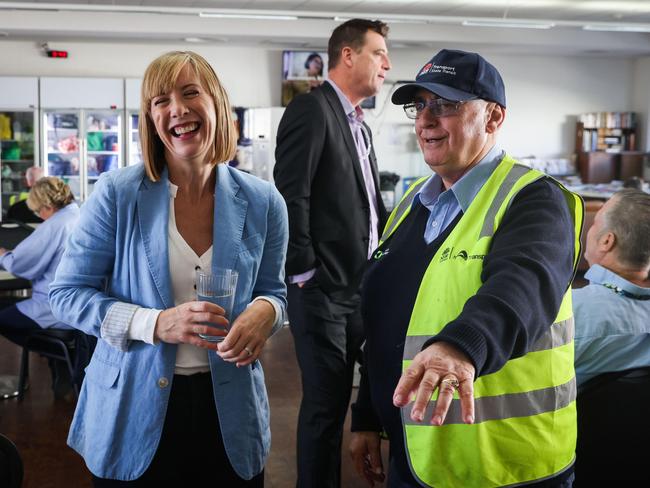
11 465
613 426
72 346
12 233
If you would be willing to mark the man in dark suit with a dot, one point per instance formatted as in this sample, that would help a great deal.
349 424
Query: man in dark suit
327 172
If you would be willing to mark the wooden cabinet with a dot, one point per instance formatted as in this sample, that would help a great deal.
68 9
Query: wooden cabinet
603 167
596 167
606 147
631 164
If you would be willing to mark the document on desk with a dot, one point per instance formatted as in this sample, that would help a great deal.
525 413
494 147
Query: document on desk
6 275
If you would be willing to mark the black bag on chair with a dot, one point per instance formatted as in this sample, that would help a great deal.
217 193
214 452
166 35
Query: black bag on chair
613 425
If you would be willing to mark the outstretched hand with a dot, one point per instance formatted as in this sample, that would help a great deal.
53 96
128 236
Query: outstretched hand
440 366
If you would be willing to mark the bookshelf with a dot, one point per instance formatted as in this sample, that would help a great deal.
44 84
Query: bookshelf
606 131
606 147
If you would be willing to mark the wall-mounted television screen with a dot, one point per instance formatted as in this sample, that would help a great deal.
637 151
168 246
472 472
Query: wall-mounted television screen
302 71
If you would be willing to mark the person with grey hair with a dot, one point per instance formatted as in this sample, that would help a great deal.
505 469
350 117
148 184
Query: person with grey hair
466 303
19 210
36 259
611 313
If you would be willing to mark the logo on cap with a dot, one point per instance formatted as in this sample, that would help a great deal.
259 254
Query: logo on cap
448 70
425 69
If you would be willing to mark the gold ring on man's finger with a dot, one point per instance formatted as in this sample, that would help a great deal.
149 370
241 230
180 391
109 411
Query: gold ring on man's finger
451 382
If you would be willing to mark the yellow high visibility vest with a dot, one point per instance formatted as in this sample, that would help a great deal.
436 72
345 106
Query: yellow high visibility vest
525 418
18 198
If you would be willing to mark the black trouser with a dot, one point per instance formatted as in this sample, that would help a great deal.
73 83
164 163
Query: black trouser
328 334
191 451
14 325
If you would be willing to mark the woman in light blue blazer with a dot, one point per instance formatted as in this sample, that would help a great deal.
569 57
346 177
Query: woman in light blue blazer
161 405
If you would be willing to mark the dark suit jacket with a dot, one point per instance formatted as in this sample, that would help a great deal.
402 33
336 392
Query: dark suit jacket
317 170
20 211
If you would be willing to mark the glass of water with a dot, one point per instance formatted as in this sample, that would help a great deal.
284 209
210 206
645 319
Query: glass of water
218 287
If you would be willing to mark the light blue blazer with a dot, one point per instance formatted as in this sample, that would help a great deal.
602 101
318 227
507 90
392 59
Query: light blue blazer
118 254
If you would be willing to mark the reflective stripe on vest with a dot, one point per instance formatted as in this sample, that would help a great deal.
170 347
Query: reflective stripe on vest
528 395
505 406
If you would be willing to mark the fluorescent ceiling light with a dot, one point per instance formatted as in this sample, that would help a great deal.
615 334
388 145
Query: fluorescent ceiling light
617 28
515 24
247 16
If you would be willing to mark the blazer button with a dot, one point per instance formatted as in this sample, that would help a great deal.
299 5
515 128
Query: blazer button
163 382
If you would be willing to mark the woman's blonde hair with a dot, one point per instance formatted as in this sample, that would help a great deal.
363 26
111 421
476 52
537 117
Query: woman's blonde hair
49 191
160 77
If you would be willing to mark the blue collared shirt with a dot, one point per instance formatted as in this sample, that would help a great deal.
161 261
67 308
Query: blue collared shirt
445 205
36 259
612 330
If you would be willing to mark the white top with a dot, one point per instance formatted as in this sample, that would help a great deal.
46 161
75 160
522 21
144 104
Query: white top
183 264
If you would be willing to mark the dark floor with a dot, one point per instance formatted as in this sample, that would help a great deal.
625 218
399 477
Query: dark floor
39 424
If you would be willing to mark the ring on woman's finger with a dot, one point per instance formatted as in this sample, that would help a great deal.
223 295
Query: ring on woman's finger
451 381
250 353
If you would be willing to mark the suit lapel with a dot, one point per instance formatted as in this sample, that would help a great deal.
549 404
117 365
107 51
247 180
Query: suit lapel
342 119
229 219
153 218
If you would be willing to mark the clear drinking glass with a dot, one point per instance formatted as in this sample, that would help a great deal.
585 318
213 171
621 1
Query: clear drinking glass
217 286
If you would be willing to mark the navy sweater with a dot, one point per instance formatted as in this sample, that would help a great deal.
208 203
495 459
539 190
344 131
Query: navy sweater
525 275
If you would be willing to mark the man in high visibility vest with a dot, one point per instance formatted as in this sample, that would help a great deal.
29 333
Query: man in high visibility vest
466 304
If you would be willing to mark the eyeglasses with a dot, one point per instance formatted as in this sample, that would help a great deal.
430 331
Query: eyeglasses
438 107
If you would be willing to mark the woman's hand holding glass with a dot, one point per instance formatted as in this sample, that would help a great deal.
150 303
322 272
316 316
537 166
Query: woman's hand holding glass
248 334
184 323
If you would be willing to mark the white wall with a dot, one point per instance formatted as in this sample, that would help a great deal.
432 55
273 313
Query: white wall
544 93
641 101
544 96
251 75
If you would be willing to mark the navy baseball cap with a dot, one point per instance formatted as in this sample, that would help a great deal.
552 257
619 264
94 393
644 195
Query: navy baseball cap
456 76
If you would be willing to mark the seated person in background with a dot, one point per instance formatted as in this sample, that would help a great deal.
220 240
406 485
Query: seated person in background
36 259
612 329
19 210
